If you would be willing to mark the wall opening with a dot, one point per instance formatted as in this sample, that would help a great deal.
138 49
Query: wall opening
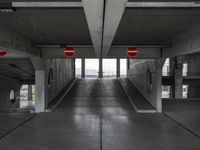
50 77
166 91
91 68
27 97
12 96
185 69
78 67
123 68
185 91
166 68
109 68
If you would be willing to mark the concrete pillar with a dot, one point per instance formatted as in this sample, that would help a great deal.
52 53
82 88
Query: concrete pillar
178 81
100 68
73 68
41 90
83 68
172 64
118 67
41 87
158 90
30 92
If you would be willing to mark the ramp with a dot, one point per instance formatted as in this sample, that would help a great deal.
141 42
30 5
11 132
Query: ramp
138 101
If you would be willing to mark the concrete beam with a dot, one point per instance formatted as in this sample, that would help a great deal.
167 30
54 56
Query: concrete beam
15 44
129 4
114 10
163 4
94 15
187 43
38 63
47 4
88 52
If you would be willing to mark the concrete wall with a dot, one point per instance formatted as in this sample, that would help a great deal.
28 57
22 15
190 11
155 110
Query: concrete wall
6 85
193 61
62 73
146 76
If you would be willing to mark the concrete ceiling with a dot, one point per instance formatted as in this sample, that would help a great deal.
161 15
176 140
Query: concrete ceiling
155 26
20 70
49 26
69 26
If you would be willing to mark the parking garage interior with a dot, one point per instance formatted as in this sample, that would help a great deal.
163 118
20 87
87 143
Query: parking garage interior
99 75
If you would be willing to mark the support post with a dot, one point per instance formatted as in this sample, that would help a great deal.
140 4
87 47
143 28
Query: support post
118 67
159 90
40 85
100 68
30 92
41 91
83 68
178 81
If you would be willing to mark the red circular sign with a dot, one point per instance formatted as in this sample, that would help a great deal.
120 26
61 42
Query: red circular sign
2 53
69 51
132 52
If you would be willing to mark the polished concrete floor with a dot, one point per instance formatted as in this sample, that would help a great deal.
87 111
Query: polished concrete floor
96 115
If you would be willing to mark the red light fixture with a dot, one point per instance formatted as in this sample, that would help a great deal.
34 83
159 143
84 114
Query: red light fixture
132 51
69 51
2 53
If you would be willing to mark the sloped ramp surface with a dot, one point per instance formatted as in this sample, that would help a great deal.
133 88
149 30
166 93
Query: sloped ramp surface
138 101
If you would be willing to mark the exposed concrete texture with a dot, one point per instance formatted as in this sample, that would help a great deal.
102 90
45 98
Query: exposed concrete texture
41 91
193 74
114 10
62 73
145 52
146 76
94 14
12 42
187 43
193 62
178 81
52 75
6 85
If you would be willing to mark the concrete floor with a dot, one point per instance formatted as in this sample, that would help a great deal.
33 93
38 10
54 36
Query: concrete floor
96 115
185 112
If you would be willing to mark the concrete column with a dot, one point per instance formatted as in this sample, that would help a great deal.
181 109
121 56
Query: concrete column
178 81
172 64
74 68
30 92
41 90
100 68
118 67
158 90
83 68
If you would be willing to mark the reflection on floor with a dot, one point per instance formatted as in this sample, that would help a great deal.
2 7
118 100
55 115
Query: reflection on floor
96 115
